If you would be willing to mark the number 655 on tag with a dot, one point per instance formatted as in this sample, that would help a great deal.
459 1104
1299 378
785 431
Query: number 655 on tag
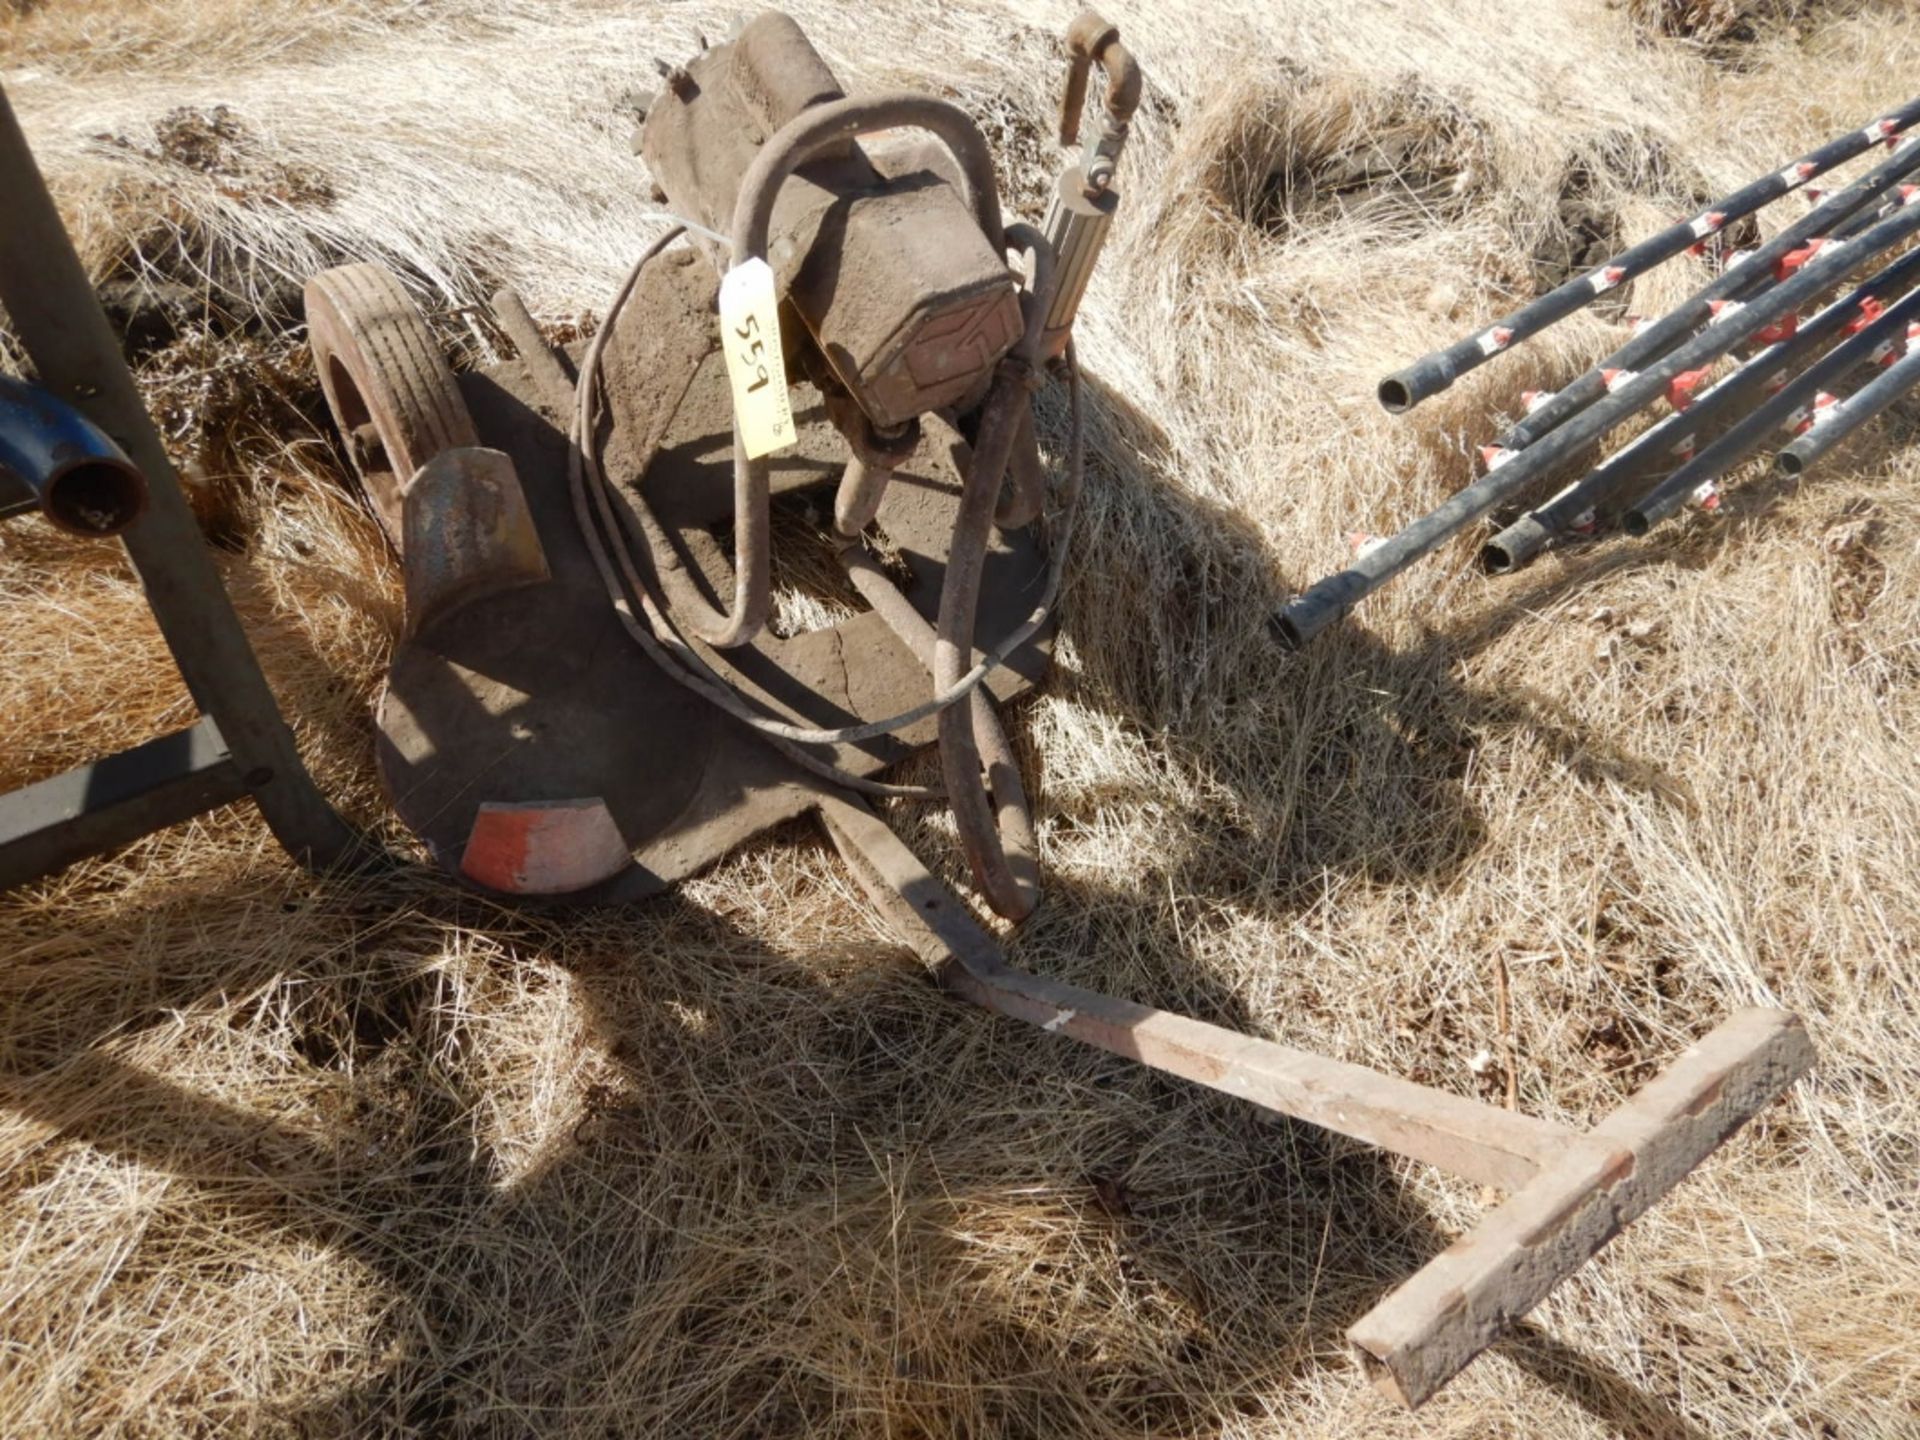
756 368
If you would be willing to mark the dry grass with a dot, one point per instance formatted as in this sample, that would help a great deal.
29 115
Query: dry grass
290 1157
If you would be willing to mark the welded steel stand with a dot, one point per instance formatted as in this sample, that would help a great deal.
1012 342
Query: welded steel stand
1571 1191
241 747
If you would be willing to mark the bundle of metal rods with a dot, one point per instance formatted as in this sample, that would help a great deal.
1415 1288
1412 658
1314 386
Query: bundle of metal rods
1763 349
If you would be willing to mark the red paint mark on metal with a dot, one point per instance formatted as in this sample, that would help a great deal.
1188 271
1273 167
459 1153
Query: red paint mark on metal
1680 389
544 847
1870 310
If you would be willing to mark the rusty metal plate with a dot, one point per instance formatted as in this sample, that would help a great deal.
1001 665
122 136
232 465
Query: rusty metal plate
536 697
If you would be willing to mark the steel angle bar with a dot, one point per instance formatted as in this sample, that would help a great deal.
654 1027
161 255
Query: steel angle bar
1572 1191
113 801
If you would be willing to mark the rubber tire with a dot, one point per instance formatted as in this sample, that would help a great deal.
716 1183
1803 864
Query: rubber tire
380 365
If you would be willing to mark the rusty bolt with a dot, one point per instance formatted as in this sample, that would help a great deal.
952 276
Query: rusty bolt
678 80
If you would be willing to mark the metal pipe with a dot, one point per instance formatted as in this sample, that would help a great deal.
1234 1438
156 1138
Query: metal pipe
1012 861
1434 372
1539 528
1852 413
51 305
1090 41
1332 597
1008 874
83 482
1734 446
1843 214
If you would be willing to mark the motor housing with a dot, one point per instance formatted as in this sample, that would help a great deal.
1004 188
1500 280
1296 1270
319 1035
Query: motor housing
878 255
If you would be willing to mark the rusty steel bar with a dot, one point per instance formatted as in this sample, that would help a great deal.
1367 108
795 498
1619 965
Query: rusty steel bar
1092 41
1573 1191
1748 280
1012 861
1434 372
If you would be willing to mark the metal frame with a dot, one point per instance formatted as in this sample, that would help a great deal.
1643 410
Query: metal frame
241 746
1571 1191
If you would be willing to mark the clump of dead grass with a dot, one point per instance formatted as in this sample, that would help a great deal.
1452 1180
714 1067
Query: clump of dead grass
285 1156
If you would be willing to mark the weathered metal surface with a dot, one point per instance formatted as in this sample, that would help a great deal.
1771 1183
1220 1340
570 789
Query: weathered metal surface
467 533
392 396
79 478
100 806
537 696
53 311
1574 1191
540 753
1420 1336
664 371
908 301
1076 227
542 847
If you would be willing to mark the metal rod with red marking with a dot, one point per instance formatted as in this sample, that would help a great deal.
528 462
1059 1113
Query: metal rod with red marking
1850 414
1432 373
1568 510
1745 277
1310 613
1747 435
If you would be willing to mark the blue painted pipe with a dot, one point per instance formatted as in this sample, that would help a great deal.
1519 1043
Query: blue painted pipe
81 480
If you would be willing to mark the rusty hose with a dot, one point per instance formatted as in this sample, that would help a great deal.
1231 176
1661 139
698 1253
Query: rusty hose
997 838
657 637
692 670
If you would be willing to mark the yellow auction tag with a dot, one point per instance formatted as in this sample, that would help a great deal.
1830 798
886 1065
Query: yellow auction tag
750 334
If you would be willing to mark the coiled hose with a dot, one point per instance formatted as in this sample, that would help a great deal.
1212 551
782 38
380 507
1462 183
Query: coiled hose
978 764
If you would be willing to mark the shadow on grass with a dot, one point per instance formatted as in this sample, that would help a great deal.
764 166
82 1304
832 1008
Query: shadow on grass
769 1233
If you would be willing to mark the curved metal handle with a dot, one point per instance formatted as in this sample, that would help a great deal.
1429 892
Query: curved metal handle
819 128
1091 40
